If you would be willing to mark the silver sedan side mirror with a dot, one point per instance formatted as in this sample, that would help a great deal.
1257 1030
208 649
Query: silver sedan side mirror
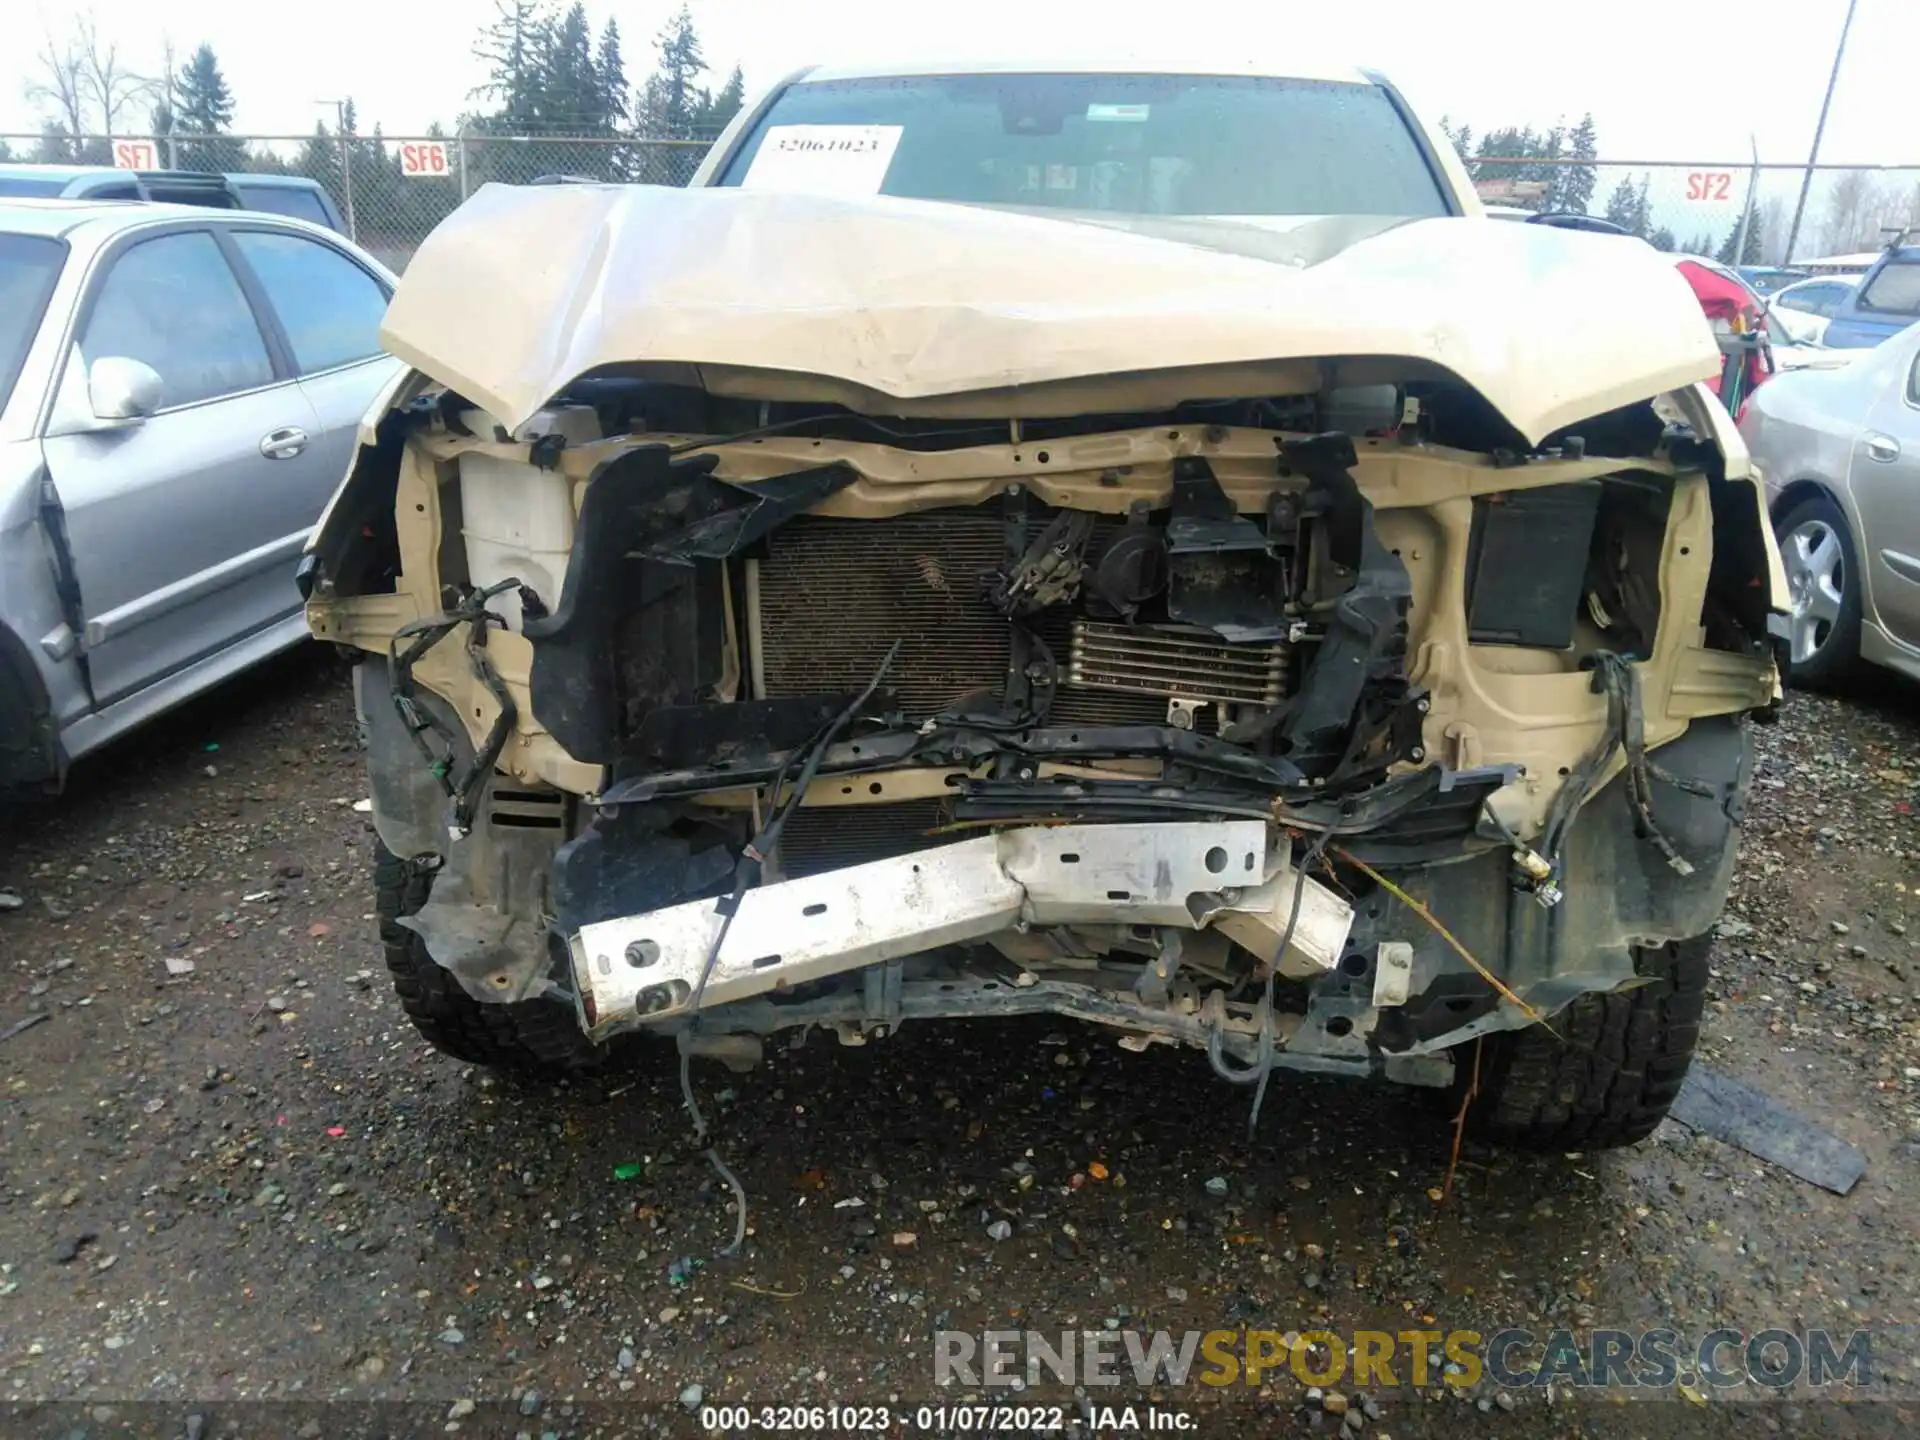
123 389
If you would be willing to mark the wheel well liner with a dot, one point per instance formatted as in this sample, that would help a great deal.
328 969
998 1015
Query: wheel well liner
30 754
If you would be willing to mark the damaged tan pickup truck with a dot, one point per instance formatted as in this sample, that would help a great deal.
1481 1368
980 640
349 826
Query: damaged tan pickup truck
1136 546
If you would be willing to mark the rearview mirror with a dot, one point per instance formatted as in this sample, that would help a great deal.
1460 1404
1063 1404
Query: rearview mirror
122 389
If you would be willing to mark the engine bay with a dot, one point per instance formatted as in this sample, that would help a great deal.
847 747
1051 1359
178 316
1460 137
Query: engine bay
833 693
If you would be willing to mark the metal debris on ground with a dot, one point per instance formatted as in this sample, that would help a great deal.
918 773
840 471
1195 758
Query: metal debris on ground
1730 1110
27 1024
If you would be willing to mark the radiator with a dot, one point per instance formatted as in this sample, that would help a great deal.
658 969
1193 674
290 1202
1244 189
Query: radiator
827 837
834 594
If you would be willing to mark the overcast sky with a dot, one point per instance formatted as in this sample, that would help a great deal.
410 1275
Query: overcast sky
1665 79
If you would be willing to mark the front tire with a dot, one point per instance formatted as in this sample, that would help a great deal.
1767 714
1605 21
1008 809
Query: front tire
1609 1071
1823 579
534 1037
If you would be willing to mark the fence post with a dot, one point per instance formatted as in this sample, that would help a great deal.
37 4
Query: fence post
1746 210
346 184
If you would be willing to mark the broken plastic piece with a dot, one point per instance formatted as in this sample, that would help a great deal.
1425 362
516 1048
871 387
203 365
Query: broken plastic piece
1729 1110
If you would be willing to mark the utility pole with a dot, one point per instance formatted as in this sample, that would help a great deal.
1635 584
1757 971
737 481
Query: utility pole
1819 129
346 162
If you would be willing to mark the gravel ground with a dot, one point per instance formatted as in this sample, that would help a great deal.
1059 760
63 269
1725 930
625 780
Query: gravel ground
241 1190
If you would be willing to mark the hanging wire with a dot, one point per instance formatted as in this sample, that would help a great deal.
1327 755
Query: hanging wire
746 875
1261 1070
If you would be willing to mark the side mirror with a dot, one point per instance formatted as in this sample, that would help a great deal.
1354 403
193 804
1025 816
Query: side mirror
123 389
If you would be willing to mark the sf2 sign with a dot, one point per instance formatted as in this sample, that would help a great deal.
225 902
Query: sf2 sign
424 158
136 155
1709 185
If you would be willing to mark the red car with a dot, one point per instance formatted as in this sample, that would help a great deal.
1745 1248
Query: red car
1739 319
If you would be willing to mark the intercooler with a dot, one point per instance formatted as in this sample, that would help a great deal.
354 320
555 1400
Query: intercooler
835 594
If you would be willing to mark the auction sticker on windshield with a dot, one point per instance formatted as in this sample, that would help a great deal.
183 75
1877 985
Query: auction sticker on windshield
824 159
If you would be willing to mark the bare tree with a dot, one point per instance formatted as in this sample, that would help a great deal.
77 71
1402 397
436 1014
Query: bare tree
1857 207
82 85
57 87
112 86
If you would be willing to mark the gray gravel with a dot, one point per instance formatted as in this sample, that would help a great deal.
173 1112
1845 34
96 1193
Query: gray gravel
271 1190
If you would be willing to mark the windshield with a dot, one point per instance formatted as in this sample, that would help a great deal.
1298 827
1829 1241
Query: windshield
1895 289
1124 144
29 264
294 200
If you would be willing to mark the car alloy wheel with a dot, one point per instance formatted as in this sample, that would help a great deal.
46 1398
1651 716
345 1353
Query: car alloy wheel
1815 561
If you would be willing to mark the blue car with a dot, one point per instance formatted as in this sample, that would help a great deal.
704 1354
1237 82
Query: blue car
294 195
1769 278
1886 301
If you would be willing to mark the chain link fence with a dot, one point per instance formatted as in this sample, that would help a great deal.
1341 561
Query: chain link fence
1696 207
394 189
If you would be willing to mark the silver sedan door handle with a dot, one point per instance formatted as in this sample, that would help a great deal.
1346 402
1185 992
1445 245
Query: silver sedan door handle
284 443
1883 448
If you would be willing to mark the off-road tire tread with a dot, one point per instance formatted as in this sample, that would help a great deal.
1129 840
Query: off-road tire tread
535 1037
1610 1075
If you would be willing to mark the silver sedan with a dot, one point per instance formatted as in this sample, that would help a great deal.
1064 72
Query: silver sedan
180 393
1840 450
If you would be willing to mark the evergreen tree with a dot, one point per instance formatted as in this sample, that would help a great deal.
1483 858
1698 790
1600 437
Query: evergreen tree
512 47
56 145
1628 206
680 67
610 71
1578 179
1662 239
569 98
721 108
203 110
1755 243
548 77
319 160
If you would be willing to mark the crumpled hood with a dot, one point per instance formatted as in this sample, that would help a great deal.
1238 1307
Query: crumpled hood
918 308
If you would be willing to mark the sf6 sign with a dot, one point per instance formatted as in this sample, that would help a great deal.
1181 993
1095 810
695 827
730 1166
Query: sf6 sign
424 157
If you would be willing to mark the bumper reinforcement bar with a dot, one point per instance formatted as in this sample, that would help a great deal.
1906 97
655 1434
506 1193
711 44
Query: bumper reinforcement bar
643 969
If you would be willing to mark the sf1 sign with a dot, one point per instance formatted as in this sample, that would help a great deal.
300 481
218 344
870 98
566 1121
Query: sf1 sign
136 155
424 158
